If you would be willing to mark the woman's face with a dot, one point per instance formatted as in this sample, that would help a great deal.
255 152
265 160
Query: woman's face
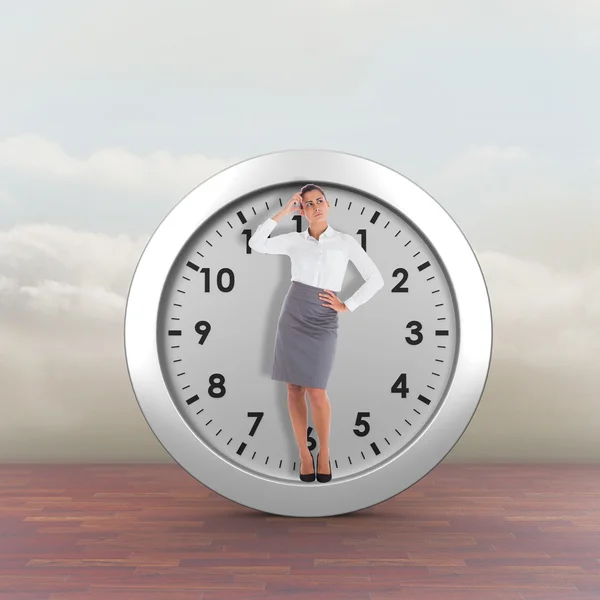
315 207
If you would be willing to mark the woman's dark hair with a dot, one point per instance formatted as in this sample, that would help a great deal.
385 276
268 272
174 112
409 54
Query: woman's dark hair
309 187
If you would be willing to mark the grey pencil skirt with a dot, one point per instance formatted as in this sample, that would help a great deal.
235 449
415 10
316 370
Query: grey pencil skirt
306 338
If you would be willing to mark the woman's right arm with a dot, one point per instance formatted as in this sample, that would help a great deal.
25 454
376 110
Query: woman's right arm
279 244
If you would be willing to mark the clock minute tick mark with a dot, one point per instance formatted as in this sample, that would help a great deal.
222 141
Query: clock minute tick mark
407 243
202 255
209 243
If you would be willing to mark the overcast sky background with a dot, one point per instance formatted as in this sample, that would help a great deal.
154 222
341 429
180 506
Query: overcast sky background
111 112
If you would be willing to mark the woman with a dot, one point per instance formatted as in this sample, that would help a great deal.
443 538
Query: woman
307 328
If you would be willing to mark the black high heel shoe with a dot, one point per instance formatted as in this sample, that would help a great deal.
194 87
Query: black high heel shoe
308 476
323 477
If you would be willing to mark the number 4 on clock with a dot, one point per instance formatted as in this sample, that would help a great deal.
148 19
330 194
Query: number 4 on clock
399 386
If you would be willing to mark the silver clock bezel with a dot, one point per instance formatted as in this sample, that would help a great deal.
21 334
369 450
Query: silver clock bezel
432 443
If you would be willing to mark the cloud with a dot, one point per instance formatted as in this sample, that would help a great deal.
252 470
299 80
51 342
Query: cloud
111 190
543 317
506 198
53 270
34 155
519 203
63 291
64 388
66 393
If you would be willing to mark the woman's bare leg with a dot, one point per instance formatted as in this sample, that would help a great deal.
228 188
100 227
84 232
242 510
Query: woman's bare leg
299 416
321 411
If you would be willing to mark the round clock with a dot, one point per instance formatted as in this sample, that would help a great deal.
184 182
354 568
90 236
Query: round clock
209 311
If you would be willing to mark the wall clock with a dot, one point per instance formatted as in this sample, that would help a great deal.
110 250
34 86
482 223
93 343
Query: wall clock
202 317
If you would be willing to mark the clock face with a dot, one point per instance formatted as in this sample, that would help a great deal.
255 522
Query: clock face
217 325
410 363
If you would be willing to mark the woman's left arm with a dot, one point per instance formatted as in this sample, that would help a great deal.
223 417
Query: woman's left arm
369 271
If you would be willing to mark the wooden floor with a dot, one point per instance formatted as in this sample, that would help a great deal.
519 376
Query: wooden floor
114 532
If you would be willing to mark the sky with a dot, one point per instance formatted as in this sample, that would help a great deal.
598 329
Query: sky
112 112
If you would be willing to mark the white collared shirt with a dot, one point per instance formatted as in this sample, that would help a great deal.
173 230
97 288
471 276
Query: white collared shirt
321 263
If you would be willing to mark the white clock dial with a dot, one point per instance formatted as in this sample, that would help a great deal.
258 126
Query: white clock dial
217 328
410 363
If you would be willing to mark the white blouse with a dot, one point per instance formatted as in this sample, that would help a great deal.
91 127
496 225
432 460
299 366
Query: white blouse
321 263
